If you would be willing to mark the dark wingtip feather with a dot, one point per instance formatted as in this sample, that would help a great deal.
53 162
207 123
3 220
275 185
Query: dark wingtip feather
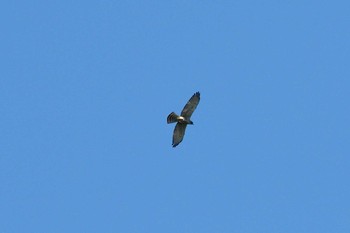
198 94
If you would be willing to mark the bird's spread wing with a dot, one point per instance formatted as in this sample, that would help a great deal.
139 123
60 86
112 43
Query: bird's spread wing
179 133
191 106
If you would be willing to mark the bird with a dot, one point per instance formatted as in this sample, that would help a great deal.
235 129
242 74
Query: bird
184 119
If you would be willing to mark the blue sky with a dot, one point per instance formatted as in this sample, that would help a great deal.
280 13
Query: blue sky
86 86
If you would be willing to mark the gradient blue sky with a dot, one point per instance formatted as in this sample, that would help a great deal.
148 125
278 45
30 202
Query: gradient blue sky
86 86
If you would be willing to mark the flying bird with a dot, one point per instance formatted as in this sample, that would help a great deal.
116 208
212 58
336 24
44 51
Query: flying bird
184 119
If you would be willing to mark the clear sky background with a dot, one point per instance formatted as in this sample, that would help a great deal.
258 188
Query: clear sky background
86 86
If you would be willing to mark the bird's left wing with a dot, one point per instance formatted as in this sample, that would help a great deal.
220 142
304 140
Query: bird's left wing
179 133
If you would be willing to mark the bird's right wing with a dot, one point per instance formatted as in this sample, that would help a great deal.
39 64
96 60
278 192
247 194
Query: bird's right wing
191 106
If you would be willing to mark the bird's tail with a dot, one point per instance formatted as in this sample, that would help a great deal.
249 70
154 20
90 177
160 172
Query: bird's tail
172 118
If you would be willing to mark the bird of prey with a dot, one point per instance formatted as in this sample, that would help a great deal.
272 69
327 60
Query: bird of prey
184 119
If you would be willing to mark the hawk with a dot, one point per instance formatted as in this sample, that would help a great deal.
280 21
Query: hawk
184 119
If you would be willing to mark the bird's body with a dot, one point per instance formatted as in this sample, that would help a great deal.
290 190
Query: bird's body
184 119
172 118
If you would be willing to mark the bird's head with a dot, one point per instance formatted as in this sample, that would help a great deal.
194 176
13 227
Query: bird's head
190 122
